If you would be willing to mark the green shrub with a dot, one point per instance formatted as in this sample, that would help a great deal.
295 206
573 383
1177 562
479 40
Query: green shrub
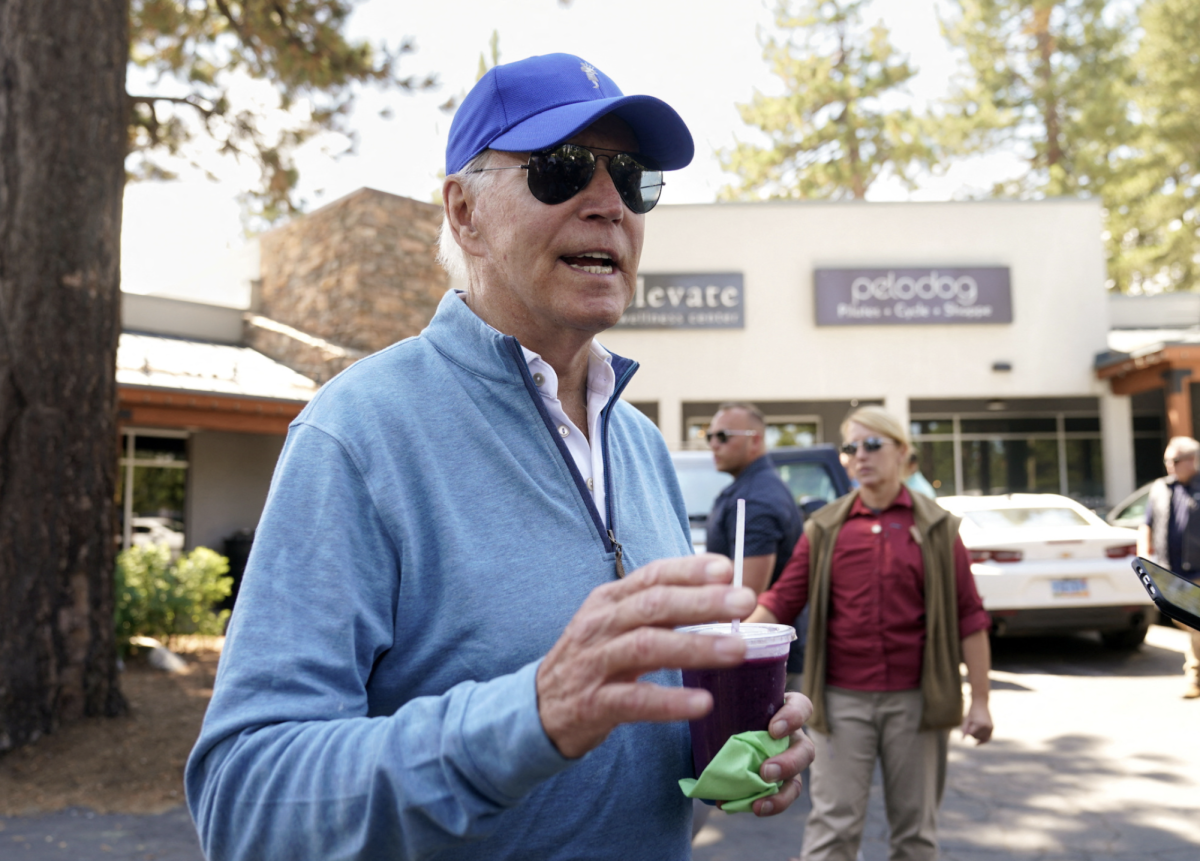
160 599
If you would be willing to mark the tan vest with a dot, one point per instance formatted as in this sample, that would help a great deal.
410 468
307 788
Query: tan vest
941 682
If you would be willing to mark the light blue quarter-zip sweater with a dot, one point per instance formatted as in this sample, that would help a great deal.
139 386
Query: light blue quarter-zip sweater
425 542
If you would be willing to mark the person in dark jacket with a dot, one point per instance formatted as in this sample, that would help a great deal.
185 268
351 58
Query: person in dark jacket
1171 534
773 522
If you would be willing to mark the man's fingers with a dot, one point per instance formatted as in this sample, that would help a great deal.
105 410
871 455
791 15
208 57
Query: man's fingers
645 649
642 701
780 801
704 569
792 762
796 711
676 605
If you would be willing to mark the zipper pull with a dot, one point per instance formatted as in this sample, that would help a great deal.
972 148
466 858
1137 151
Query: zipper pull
617 547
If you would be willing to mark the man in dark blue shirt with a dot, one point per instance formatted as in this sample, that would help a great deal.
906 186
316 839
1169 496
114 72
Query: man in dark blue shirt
773 522
1171 534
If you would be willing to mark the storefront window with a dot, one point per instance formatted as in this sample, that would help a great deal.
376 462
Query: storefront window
152 488
997 454
1149 443
780 432
1085 471
998 466
937 464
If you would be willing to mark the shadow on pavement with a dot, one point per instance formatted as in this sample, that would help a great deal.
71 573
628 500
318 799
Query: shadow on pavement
78 834
1080 655
1004 801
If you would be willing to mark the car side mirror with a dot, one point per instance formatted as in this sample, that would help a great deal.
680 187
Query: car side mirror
1177 597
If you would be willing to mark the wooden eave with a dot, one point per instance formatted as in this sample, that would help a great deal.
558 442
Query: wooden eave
187 410
1145 373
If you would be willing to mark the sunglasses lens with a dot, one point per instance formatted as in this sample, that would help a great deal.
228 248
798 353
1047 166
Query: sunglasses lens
638 185
873 444
557 175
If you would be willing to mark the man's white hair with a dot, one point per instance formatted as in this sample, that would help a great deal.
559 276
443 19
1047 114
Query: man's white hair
1182 446
450 255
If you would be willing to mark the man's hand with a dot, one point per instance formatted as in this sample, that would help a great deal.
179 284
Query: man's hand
978 722
797 709
588 683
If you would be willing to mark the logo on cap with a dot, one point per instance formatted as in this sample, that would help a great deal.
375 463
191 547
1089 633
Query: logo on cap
590 71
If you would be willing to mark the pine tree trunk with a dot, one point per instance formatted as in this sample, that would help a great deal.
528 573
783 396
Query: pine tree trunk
62 149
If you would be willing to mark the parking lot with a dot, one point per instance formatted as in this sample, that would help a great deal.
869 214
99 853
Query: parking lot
1095 757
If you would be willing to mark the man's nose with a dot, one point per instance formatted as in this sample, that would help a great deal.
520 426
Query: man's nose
602 195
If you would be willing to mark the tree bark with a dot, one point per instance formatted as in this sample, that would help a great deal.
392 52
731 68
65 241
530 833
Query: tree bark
62 150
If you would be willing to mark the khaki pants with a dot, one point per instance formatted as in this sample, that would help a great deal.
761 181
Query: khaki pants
865 727
1191 654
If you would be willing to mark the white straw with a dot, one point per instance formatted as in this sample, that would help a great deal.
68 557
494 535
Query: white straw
738 548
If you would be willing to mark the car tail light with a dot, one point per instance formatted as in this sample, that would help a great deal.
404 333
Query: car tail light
996 555
1120 551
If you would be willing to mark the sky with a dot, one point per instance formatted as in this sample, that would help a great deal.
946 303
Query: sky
702 57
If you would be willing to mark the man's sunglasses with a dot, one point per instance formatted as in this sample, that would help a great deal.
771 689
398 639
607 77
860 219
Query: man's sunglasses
559 173
722 436
870 445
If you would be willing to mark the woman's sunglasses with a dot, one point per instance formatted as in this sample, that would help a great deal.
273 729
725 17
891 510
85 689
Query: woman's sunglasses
870 445
559 173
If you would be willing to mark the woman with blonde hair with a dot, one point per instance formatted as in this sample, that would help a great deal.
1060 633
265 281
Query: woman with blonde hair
893 610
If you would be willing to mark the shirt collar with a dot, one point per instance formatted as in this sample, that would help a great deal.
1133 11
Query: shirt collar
860 508
601 380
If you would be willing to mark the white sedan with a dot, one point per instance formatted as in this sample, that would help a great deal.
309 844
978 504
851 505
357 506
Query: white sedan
1045 564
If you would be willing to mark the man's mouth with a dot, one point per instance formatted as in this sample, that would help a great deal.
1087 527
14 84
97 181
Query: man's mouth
591 262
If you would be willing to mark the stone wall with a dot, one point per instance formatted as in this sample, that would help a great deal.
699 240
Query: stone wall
349 279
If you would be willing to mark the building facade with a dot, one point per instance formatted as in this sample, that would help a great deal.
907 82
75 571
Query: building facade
979 323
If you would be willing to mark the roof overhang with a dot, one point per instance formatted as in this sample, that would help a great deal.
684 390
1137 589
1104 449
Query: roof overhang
184 410
1156 367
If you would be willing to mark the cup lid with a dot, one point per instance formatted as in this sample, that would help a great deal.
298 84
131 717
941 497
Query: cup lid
755 633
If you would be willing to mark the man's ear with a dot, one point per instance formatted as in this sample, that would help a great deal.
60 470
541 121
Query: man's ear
460 215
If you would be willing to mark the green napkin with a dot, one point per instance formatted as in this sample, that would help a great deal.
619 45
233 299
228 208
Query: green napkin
732 776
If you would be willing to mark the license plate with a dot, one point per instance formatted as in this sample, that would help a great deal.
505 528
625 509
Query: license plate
1070 587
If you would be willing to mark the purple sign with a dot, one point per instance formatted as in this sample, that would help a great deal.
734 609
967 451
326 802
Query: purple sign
912 296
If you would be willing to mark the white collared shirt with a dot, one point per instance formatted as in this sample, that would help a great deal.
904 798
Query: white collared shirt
585 451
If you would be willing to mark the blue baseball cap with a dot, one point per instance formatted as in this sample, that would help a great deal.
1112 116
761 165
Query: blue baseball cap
536 103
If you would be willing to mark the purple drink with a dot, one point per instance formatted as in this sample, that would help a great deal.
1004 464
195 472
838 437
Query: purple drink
745 697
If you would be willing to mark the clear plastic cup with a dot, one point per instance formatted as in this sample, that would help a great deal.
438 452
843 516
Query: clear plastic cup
745 697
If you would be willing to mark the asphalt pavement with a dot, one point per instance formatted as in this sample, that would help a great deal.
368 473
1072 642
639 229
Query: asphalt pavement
1095 757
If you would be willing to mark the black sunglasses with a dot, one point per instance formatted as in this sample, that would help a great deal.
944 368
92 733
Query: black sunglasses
722 436
559 173
870 445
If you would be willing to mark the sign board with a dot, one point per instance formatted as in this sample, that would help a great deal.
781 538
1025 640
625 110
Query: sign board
704 301
912 296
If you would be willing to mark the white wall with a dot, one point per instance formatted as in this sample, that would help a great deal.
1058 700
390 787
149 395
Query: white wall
229 475
1060 316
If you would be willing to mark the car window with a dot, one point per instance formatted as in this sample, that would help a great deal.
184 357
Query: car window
1007 518
1133 514
807 480
700 483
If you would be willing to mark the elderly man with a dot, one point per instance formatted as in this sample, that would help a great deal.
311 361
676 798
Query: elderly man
437 652
1171 533
736 436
